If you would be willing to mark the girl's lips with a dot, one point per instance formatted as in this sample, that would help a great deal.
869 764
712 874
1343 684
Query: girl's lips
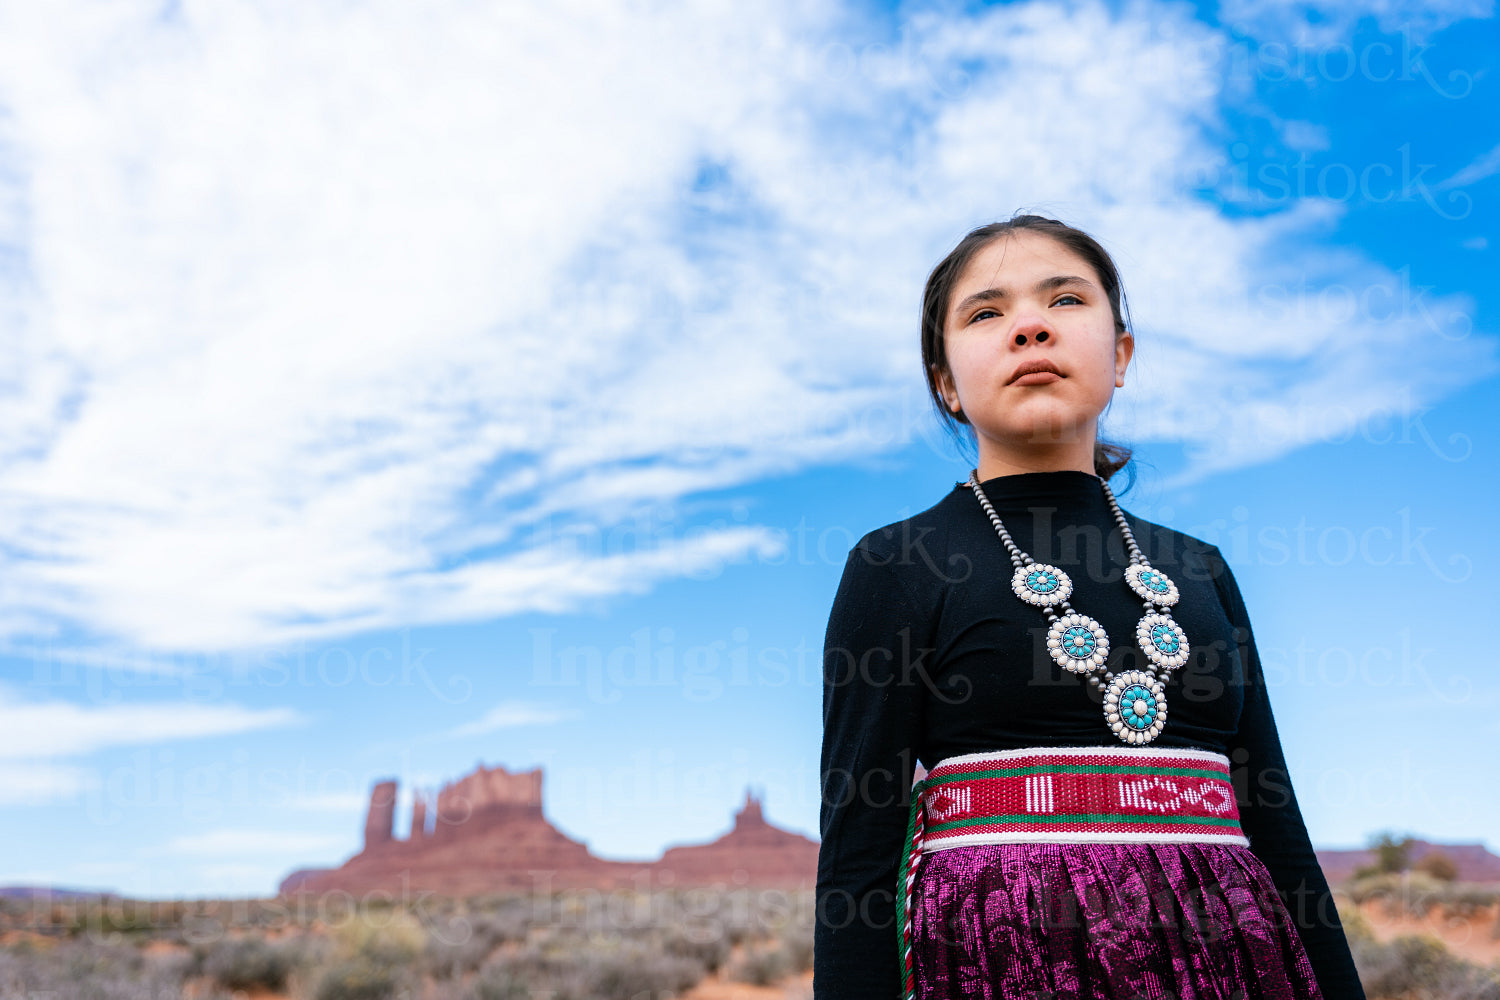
1037 378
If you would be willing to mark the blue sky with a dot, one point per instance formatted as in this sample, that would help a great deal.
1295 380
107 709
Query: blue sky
365 368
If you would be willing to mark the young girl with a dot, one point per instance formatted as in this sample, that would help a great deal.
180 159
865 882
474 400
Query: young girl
1107 810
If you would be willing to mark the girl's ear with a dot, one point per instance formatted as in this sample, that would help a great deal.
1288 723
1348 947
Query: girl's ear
945 387
1124 351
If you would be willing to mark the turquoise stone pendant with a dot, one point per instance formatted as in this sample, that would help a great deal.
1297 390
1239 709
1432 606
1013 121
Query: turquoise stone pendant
1151 584
1162 640
1077 643
1135 706
1041 584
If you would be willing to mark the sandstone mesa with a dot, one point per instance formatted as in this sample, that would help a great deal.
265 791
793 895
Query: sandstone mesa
486 833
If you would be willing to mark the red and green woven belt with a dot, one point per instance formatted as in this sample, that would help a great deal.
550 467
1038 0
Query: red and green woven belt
1069 795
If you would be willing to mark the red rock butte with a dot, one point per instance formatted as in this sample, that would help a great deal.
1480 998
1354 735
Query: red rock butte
486 833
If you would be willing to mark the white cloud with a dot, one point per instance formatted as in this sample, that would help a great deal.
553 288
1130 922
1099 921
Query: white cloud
34 730
339 802
36 783
1486 164
333 318
509 714
1327 25
232 843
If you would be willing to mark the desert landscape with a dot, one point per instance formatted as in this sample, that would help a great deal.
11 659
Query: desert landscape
1412 937
485 899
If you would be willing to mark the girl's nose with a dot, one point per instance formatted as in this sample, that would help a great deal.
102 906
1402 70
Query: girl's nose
1032 326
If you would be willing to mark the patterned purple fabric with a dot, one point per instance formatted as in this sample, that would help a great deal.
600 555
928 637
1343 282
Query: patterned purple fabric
1038 921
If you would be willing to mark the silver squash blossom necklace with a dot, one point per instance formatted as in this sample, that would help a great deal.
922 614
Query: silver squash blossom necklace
1135 705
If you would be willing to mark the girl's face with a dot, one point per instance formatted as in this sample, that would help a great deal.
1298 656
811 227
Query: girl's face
1027 299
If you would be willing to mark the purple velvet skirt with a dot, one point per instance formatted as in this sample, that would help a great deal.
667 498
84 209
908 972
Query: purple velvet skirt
1090 921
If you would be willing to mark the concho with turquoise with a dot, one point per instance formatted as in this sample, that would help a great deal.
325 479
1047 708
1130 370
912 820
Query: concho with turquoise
1135 706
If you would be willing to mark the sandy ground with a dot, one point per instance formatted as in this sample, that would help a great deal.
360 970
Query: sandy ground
1473 938
796 988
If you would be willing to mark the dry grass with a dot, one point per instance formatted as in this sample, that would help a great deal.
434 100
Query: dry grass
568 946
1409 942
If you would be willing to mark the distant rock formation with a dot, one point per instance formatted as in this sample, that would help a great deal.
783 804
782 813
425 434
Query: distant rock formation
1473 862
380 821
419 816
753 852
486 833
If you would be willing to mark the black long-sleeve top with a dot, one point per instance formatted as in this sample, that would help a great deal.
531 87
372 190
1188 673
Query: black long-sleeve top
930 654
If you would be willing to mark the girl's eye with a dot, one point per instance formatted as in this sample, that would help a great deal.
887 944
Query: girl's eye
981 314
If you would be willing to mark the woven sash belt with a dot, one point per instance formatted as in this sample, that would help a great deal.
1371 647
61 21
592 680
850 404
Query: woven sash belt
1065 795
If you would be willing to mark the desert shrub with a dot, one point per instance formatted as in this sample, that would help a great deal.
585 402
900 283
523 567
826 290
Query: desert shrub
90 960
708 949
385 937
1399 966
360 978
762 965
509 917
500 984
624 976
458 944
573 967
249 963
92 971
1438 865
1418 966
797 942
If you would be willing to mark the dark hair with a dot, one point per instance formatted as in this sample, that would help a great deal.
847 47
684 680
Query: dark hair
1109 457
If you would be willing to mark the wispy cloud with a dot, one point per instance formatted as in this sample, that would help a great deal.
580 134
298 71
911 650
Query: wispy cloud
1484 165
509 714
349 802
1321 25
346 318
34 782
42 729
239 843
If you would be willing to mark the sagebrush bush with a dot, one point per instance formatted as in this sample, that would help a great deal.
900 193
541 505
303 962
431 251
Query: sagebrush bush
388 937
1418 966
762 965
459 944
623 977
590 968
360 978
498 984
709 950
250 963
797 942
95 970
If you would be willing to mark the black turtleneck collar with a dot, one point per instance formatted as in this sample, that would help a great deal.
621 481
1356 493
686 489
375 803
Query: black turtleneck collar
1061 488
